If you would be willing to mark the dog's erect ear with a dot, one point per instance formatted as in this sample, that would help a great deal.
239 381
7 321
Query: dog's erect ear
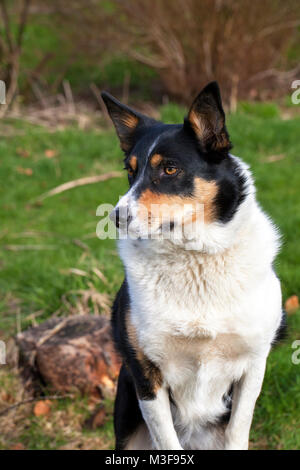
206 118
126 121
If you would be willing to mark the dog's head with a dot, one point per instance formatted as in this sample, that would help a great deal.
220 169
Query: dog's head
178 174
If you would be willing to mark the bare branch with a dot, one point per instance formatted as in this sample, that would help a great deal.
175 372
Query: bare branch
97 94
23 22
80 182
7 27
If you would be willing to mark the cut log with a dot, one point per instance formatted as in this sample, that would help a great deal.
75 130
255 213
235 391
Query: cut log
75 353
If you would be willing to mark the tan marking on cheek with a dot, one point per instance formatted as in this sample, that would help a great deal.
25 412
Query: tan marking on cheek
149 198
133 162
160 206
155 160
157 206
205 192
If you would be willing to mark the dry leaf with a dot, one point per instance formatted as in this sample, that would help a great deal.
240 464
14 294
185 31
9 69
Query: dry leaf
7 397
42 408
49 153
17 446
24 171
93 399
292 304
107 382
22 152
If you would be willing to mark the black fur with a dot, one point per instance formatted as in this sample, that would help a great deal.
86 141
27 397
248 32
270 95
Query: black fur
127 413
133 382
281 332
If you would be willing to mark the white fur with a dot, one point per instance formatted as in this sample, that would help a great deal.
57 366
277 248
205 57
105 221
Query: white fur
160 424
206 311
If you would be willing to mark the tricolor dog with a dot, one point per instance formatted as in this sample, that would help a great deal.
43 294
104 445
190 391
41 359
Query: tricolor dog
200 305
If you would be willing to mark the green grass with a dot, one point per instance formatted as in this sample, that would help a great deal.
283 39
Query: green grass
35 277
38 279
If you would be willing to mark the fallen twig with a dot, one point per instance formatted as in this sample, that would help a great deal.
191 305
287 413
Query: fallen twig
52 332
69 96
32 317
78 272
29 247
81 245
80 182
100 275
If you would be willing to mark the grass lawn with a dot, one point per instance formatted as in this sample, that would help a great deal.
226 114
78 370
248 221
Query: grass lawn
63 226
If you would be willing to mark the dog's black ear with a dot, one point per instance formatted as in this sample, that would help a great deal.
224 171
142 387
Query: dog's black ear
126 121
206 118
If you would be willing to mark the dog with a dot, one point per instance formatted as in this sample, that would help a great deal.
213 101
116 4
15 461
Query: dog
199 309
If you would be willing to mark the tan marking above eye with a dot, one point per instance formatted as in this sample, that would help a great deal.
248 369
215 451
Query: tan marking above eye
132 164
155 160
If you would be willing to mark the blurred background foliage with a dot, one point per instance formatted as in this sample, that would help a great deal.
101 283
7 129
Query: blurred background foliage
159 49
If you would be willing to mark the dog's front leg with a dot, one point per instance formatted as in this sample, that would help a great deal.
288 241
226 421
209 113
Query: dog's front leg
245 394
157 415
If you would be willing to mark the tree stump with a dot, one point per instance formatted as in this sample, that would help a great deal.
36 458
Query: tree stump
75 353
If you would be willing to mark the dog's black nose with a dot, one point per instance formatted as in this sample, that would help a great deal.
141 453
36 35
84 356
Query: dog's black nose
117 217
121 218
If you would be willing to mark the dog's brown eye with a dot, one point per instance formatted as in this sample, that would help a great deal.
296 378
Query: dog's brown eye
130 171
170 170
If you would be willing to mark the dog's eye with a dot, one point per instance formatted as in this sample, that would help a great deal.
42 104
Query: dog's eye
169 170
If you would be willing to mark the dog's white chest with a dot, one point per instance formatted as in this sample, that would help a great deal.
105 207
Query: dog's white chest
185 294
199 373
